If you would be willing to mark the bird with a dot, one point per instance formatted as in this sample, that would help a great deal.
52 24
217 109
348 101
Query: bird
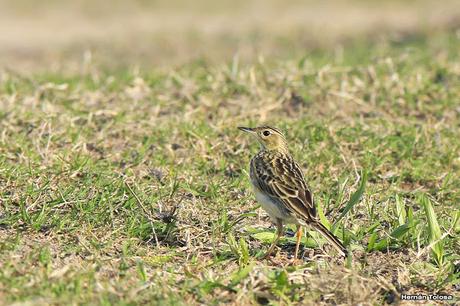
280 187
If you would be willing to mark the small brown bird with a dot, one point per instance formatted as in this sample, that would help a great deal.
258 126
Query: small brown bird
279 186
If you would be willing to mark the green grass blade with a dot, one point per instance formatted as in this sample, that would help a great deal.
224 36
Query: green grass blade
355 198
241 274
322 217
434 231
371 243
456 221
396 234
244 251
400 210
399 232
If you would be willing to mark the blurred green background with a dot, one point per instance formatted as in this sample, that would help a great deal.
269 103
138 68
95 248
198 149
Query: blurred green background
55 34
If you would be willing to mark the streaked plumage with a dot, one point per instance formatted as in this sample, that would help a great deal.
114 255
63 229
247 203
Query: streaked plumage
280 187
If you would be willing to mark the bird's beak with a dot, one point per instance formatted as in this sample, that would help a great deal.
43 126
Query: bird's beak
246 129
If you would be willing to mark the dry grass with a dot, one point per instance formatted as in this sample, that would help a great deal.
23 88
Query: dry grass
124 185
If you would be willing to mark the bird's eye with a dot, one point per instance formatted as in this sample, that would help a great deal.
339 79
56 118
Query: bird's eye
266 133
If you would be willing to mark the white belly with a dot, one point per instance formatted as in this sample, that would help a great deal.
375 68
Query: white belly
274 209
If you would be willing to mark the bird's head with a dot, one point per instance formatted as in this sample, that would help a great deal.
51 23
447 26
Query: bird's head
270 138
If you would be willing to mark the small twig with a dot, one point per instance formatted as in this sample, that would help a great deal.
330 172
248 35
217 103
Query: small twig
428 247
146 212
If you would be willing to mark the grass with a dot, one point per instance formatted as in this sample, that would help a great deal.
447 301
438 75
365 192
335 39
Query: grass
129 187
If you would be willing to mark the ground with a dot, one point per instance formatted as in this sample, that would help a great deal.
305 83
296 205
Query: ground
124 178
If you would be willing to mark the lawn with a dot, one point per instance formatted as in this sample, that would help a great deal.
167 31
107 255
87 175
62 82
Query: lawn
122 185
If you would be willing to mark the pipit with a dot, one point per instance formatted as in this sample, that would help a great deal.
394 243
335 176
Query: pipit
280 188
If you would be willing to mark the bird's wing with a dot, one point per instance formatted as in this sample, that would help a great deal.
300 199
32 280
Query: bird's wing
281 178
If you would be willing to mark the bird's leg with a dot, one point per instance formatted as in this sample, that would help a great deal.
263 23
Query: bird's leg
279 233
299 236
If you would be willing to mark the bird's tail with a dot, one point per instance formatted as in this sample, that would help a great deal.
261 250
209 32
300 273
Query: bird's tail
331 238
